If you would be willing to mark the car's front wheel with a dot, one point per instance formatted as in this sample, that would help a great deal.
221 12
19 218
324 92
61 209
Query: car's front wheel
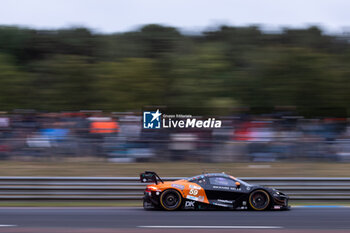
259 200
170 199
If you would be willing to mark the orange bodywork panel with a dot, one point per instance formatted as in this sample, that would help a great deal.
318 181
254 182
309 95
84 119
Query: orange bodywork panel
188 190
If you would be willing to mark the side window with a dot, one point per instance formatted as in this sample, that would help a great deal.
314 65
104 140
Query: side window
200 181
223 181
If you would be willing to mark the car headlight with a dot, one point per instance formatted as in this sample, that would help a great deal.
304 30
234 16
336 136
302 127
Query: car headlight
277 193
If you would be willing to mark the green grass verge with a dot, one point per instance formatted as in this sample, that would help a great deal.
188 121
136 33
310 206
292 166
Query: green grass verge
84 168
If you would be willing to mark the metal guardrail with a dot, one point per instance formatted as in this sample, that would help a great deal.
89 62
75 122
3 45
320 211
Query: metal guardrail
129 188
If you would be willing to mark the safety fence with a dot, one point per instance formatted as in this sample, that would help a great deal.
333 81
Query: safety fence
130 188
180 148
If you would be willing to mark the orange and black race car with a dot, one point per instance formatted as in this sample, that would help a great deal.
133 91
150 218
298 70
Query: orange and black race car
209 191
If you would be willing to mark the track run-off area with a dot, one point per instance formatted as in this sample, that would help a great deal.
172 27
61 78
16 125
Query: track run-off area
135 219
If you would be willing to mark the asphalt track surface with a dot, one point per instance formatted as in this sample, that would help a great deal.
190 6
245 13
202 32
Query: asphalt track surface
105 220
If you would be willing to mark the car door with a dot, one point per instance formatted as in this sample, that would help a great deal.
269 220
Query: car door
222 191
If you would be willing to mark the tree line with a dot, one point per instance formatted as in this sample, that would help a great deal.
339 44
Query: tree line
76 68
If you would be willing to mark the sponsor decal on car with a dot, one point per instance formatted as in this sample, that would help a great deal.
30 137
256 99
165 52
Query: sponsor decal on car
225 187
193 192
220 204
189 204
221 187
179 186
225 201
192 197
195 187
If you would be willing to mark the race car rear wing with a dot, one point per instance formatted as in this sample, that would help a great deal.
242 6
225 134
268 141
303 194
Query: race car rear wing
148 176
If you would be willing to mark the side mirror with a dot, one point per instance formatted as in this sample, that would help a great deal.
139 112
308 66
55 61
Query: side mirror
238 185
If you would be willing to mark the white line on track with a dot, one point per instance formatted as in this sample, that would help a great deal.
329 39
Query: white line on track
3 225
214 227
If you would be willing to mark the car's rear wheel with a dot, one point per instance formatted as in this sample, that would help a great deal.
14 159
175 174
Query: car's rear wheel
259 200
170 199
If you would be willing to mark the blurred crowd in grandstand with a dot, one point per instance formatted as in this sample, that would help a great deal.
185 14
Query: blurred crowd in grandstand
119 137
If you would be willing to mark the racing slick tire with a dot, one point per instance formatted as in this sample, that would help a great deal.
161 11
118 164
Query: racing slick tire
259 200
170 199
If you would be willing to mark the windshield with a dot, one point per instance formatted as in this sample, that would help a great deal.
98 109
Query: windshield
193 178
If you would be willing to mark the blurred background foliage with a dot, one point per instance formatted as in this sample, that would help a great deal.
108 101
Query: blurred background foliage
75 68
